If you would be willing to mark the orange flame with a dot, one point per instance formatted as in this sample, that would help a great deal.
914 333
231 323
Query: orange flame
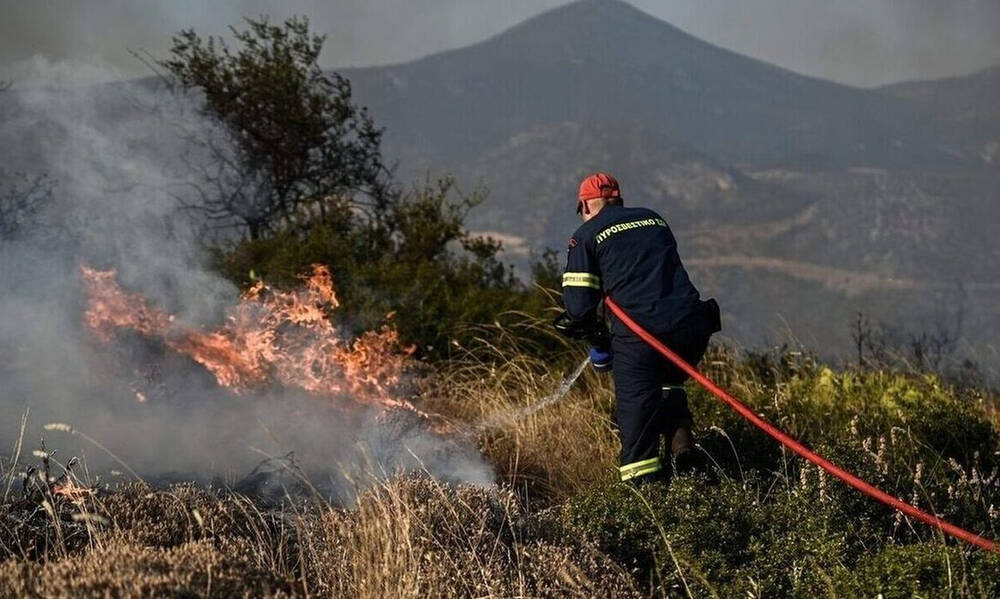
271 336
71 491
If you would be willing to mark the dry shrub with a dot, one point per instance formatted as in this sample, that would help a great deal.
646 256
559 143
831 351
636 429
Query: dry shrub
263 537
163 518
39 523
419 538
124 568
411 537
549 454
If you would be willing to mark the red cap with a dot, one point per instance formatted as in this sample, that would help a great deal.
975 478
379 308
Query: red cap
598 185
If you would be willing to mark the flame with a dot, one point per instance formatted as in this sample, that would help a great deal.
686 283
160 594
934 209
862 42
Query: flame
117 308
71 491
270 336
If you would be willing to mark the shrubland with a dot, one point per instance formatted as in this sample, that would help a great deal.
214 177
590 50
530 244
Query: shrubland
557 523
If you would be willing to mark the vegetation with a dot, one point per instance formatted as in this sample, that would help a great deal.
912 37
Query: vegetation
22 205
777 527
296 146
419 264
558 524
299 179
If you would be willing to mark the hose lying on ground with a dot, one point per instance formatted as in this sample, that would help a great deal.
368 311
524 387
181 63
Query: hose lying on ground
798 448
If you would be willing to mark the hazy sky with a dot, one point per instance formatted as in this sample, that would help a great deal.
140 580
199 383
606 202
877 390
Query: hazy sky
863 42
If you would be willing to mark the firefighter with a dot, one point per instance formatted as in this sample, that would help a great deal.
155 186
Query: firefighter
631 255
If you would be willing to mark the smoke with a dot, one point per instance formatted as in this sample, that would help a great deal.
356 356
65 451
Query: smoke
120 157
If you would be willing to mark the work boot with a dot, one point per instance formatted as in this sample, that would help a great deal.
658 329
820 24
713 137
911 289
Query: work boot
681 440
661 477
688 459
693 463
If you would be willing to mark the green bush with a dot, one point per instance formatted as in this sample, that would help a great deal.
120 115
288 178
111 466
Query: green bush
776 526
738 539
417 262
924 570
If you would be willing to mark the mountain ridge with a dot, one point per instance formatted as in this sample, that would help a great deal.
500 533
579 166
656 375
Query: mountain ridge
605 60
967 103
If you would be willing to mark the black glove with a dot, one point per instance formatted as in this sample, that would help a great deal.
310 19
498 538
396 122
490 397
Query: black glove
565 324
591 330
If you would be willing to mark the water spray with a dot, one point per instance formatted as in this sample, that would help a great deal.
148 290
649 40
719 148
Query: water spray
511 416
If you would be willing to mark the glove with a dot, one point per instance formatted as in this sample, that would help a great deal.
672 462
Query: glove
591 330
565 324
600 359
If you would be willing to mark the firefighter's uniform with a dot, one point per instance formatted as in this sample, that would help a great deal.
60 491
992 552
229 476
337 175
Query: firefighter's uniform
631 255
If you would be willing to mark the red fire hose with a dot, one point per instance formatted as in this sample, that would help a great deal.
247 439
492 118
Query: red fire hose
797 447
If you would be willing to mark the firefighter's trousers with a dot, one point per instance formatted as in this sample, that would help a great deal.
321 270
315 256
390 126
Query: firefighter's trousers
650 399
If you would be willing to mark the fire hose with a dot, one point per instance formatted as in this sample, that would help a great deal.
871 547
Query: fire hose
798 448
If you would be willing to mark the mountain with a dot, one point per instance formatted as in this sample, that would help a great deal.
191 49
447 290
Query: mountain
967 104
604 61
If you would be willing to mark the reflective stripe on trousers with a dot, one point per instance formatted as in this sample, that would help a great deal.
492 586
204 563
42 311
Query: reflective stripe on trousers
635 469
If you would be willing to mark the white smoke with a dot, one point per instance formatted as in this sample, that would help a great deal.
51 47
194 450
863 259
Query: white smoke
120 156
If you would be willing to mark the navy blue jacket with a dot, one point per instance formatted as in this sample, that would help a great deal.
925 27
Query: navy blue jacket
631 255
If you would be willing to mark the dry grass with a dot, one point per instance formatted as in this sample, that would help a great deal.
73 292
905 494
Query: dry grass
407 538
416 538
123 568
546 455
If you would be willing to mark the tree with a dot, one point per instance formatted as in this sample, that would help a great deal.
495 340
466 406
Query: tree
297 150
300 172
21 205
23 202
